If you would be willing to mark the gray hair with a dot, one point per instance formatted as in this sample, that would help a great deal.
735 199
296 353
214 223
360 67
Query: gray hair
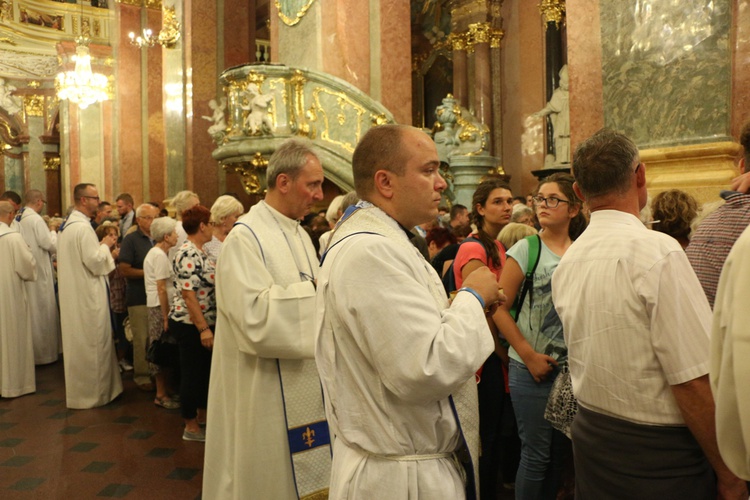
351 198
183 200
143 207
289 158
520 211
162 227
603 163
223 207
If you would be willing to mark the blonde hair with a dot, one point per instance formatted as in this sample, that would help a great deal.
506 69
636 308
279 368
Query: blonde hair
183 201
514 232
223 207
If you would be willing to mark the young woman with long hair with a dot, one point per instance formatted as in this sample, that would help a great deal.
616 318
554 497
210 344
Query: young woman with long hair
536 337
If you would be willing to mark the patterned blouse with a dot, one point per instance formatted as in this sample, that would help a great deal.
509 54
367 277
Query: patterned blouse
193 271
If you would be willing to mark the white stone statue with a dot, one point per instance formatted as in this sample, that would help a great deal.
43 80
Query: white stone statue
220 124
10 103
257 104
558 110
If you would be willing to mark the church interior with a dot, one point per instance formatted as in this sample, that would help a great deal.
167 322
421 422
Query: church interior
181 82
151 97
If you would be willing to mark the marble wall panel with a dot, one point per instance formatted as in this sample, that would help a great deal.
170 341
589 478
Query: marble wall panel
666 70
741 67
174 108
155 181
345 36
91 147
394 69
35 169
128 177
522 93
584 69
203 63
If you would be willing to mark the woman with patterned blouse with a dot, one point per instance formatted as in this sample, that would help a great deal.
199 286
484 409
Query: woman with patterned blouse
192 317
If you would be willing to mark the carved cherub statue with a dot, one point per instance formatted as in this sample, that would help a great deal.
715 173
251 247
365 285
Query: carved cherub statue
257 104
220 124
10 103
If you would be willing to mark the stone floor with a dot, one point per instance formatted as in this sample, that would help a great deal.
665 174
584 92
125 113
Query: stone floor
129 448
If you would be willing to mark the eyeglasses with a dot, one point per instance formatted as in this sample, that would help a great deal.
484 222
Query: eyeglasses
91 197
551 202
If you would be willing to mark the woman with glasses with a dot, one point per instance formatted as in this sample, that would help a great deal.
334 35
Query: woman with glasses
192 318
536 336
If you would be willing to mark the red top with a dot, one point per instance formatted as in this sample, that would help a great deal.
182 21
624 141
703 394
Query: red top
473 250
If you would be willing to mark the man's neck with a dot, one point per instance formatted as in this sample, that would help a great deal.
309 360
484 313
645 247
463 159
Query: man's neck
276 202
622 203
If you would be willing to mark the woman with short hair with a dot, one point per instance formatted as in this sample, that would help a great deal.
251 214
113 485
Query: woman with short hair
192 318
224 213
157 277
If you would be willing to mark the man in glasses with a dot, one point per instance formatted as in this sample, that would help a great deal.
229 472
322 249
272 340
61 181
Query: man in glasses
45 320
135 246
396 362
92 377
18 267
266 434
637 326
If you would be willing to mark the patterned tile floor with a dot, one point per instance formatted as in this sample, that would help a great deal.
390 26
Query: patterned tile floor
129 448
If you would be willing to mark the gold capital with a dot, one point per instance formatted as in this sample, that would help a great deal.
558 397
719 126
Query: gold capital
552 11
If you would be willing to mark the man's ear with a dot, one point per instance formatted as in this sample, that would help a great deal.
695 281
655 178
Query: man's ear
640 176
384 183
578 191
742 166
283 181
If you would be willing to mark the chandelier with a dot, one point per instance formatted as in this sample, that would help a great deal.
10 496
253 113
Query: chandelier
168 36
82 86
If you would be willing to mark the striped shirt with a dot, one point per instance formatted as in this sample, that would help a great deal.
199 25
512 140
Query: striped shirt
635 319
715 237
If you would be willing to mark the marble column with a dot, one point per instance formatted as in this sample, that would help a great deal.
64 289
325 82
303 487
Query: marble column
460 72
740 104
367 47
482 83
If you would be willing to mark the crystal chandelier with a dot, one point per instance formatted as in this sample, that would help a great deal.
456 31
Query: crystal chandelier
82 86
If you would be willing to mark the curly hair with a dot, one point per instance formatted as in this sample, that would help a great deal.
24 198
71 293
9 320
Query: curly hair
675 210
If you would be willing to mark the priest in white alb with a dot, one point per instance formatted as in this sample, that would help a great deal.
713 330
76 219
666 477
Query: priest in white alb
45 320
397 362
17 266
92 377
266 434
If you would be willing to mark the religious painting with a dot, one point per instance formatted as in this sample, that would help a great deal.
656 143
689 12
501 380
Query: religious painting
53 21
292 11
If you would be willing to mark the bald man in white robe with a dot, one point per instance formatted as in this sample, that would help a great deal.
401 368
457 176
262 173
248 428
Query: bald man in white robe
45 320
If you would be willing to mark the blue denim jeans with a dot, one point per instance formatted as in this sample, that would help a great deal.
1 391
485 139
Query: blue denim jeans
542 447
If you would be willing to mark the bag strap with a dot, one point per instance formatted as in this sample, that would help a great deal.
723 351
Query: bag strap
535 247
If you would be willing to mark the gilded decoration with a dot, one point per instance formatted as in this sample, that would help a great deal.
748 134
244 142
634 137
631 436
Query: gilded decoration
252 173
553 11
476 34
6 10
329 105
52 163
291 12
34 84
169 34
33 105
150 4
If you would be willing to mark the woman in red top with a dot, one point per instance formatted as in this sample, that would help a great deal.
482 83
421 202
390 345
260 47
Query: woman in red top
491 211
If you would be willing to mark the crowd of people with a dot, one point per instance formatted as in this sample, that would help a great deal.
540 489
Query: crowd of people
392 347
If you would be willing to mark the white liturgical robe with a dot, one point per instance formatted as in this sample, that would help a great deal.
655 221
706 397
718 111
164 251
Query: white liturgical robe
265 312
92 377
390 352
45 319
17 266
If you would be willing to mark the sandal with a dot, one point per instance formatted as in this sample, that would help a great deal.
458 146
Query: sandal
167 403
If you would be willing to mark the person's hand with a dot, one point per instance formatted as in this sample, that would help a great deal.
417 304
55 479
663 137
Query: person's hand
731 488
741 184
207 339
539 366
166 325
115 252
110 240
484 282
